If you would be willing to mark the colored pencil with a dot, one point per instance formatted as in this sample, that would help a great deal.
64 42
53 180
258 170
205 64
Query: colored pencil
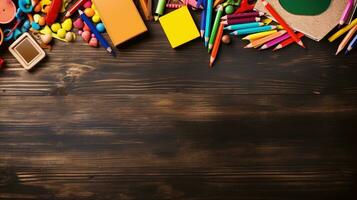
282 22
346 12
351 45
203 19
253 30
216 45
243 15
199 3
97 34
261 41
343 30
243 26
259 35
160 9
287 42
347 38
275 41
241 20
215 27
209 11
74 8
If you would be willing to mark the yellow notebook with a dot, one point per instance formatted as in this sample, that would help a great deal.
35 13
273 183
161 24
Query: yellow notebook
121 19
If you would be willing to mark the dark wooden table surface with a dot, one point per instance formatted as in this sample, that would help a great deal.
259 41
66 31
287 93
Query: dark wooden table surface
157 123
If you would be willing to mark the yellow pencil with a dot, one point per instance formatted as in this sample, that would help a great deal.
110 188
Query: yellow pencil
259 35
261 41
346 39
343 30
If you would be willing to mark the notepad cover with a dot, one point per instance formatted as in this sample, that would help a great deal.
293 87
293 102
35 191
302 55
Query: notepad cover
121 19
315 27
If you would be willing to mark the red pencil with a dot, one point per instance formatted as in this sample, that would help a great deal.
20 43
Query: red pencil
74 8
287 42
216 45
282 22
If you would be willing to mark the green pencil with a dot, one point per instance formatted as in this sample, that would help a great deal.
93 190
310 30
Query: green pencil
215 27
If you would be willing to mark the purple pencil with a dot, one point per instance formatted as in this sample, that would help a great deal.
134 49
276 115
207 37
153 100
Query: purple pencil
243 15
275 41
241 20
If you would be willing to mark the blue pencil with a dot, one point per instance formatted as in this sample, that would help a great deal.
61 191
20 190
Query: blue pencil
243 26
199 3
203 19
94 30
351 45
209 10
253 30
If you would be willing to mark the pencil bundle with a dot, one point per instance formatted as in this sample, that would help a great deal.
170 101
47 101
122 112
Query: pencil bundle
350 40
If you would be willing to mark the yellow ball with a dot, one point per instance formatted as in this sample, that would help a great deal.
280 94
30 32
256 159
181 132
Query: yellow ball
67 24
61 33
89 12
96 19
55 27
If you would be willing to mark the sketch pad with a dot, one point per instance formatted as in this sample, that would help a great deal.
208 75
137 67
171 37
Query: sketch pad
315 27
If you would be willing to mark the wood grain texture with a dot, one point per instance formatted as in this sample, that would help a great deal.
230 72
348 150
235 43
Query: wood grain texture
156 123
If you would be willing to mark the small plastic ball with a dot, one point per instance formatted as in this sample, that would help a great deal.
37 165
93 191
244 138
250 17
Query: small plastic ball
100 27
47 9
229 9
69 37
55 27
96 19
89 12
87 4
61 33
42 21
38 8
226 39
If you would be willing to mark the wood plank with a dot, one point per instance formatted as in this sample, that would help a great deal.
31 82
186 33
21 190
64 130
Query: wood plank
178 146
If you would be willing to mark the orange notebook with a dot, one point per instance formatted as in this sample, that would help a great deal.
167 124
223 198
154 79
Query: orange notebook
121 19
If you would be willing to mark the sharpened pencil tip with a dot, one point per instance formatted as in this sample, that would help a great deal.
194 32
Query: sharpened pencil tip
301 44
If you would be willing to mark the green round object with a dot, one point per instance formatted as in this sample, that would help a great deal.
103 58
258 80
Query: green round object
229 9
305 7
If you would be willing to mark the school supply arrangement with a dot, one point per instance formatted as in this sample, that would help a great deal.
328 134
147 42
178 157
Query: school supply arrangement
223 20
29 26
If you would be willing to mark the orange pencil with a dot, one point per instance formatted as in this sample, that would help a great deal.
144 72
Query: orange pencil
282 22
216 44
287 42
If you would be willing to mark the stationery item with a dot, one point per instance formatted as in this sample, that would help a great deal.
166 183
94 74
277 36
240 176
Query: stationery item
243 15
203 19
342 31
282 22
199 3
315 27
241 20
121 19
209 11
160 9
351 45
259 42
275 41
245 5
94 30
26 50
146 6
255 36
179 27
346 39
346 12
74 8
7 11
215 27
243 26
1 36
287 42
253 30
305 7
53 12
216 45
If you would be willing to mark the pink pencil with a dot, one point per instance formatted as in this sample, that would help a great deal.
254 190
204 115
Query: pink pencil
346 12
241 20
275 41
243 15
